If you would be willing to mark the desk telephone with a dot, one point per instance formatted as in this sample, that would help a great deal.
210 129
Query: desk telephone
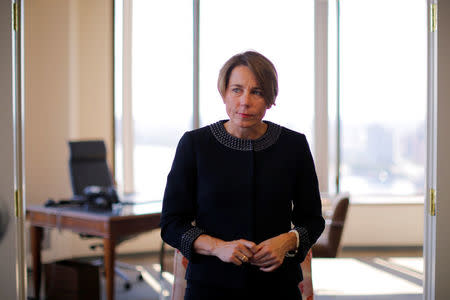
93 197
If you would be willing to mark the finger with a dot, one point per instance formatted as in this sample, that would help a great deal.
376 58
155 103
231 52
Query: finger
262 254
256 248
245 251
266 263
247 244
237 254
244 258
236 261
242 253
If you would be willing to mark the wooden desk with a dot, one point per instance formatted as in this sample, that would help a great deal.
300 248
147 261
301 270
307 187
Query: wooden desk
123 220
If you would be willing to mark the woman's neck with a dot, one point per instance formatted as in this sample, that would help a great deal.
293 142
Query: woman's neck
247 133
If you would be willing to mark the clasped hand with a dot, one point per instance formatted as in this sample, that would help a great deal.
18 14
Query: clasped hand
268 255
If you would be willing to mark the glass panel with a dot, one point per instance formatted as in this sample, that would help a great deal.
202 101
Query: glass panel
383 96
283 32
162 88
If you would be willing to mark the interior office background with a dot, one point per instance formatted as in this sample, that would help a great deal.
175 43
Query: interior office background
79 64
69 87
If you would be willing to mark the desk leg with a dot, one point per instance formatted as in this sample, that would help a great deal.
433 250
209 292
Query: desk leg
109 257
36 239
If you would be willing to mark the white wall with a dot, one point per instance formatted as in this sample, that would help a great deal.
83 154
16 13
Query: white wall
69 95
47 94
384 225
442 286
8 234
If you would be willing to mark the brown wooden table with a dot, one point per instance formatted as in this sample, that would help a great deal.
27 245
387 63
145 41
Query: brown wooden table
122 221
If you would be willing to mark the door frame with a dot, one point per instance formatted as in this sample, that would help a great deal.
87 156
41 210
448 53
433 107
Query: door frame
429 245
19 146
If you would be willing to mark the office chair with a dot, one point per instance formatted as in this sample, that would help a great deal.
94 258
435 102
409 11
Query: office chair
329 242
88 167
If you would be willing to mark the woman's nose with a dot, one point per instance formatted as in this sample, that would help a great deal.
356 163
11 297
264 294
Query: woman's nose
245 98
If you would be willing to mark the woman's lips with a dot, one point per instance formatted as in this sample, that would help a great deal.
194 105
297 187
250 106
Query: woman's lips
245 115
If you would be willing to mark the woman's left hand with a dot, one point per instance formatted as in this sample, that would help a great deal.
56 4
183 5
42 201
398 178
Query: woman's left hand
269 255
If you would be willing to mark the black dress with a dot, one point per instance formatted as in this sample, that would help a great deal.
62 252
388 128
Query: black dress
234 188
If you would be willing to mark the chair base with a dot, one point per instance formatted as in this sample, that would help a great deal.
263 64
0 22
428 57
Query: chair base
117 270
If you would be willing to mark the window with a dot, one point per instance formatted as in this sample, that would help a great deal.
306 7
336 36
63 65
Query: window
162 73
284 32
161 85
376 69
382 94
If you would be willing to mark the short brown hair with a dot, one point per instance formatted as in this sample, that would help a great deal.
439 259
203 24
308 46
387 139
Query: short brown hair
262 68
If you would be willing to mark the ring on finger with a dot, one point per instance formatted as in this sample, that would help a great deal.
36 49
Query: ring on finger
244 258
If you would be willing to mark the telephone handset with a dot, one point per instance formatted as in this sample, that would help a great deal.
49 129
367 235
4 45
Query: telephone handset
100 197
92 197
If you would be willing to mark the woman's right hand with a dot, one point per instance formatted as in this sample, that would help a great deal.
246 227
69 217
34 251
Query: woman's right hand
236 252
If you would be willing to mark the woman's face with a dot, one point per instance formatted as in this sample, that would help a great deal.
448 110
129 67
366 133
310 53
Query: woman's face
244 99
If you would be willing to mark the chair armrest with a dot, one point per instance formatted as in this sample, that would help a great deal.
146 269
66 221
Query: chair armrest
329 222
306 285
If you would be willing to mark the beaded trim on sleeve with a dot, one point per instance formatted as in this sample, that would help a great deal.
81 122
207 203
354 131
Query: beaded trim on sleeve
187 239
305 244
268 139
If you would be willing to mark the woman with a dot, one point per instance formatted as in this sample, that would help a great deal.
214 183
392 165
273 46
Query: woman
235 190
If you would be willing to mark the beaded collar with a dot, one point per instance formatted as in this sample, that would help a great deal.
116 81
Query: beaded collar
265 141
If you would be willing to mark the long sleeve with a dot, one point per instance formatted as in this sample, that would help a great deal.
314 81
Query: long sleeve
179 202
307 212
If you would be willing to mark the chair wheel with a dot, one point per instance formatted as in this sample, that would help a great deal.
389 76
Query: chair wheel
127 286
140 278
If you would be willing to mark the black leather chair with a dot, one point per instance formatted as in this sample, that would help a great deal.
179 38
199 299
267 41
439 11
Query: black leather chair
88 167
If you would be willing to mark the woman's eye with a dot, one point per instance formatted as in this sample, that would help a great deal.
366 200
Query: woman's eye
257 92
236 90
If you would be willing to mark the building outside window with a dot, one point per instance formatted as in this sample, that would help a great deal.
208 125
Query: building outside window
382 97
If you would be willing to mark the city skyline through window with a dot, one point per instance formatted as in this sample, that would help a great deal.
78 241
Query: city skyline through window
383 97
